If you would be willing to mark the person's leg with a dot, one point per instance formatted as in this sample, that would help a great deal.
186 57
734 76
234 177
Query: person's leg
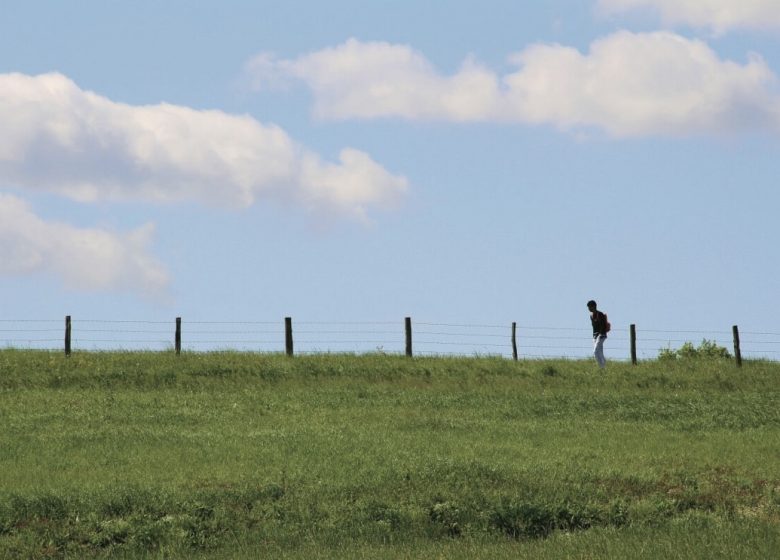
598 351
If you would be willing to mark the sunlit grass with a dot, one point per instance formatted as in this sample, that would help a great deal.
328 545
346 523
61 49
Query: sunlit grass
234 455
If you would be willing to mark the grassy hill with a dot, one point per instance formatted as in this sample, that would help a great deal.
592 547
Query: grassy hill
230 455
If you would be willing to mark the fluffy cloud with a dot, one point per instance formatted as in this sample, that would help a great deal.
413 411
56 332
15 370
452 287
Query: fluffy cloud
84 259
628 84
649 83
57 137
718 15
367 80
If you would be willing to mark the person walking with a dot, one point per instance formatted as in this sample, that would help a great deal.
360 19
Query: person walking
600 328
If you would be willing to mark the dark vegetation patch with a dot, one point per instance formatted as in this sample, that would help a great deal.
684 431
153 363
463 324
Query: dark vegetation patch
443 500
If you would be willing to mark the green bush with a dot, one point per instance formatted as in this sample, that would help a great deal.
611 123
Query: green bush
707 350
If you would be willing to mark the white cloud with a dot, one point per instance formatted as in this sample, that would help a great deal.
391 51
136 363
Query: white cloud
718 15
57 137
84 259
628 84
368 80
637 84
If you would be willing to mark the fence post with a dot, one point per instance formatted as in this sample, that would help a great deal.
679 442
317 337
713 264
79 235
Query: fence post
737 352
288 336
408 326
177 337
67 335
514 341
632 333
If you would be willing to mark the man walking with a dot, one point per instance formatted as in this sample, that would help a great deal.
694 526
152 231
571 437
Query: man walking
600 329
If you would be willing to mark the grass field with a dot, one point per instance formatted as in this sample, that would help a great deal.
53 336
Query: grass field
230 455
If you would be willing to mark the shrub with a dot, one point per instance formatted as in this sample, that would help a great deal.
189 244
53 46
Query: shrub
446 515
707 350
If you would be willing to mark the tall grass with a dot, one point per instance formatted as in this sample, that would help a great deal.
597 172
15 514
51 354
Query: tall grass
238 455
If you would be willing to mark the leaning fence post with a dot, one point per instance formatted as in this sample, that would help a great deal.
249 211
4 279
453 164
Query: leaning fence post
737 352
514 341
632 333
408 327
288 336
67 335
177 337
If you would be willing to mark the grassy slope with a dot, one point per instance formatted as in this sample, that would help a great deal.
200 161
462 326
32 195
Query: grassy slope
236 455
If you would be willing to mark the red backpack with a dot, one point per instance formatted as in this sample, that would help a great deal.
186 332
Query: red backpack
606 321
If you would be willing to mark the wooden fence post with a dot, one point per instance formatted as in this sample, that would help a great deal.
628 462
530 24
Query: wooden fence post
737 352
514 341
67 335
408 326
288 336
632 334
177 337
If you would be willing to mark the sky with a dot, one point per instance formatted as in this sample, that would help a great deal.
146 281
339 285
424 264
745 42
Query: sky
351 163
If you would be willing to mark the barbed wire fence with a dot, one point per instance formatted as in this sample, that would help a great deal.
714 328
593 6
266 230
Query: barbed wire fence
363 337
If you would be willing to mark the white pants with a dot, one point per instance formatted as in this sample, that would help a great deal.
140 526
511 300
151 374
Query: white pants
598 350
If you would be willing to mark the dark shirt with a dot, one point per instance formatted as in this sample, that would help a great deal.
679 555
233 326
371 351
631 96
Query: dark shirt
599 323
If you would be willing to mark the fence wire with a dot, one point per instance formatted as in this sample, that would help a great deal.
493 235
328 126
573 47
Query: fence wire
360 337
35 334
313 337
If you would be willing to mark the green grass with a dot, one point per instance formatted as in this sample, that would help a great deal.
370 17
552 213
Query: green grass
231 455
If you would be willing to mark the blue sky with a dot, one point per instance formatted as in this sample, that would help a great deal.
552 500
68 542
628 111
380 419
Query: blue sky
458 162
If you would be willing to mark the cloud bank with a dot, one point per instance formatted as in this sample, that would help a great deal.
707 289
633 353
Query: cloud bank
627 84
719 15
84 259
57 137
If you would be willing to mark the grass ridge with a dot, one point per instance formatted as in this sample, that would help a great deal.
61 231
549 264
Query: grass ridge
238 455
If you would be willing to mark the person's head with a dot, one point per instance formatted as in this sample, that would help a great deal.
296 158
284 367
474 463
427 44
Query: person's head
592 305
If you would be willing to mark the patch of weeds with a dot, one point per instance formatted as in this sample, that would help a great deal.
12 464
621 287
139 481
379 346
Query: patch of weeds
383 515
707 350
446 515
718 490
110 532
651 511
202 528
527 520
617 514
523 520
149 534
45 506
